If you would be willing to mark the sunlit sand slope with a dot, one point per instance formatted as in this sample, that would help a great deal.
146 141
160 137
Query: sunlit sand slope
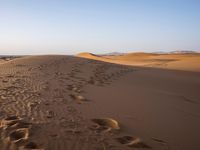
187 62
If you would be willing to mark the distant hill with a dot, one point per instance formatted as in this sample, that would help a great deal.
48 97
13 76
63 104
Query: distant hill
114 54
8 57
183 52
176 52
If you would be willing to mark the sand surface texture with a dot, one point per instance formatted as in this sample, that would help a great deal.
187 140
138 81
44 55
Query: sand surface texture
72 103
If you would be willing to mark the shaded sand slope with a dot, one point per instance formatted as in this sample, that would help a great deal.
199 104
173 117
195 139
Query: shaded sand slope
187 62
70 103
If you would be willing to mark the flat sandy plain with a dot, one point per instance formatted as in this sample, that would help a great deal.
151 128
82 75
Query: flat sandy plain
74 103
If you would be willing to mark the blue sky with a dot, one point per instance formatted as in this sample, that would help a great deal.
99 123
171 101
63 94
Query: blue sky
98 26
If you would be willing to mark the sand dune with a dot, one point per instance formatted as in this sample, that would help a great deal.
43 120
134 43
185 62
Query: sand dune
186 62
73 103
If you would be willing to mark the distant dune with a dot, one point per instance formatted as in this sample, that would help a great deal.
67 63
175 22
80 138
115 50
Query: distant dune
178 61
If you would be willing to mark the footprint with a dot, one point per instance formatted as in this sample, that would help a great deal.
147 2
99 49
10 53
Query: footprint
105 124
132 142
19 134
9 121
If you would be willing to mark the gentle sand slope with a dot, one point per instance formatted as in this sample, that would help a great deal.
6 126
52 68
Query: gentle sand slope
71 103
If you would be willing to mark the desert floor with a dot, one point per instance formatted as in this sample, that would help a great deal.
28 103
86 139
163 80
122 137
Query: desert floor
73 103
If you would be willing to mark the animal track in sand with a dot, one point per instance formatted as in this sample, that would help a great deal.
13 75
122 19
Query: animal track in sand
132 142
105 124
19 134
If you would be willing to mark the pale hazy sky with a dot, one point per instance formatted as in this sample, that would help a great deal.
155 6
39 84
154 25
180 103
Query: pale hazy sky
98 26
